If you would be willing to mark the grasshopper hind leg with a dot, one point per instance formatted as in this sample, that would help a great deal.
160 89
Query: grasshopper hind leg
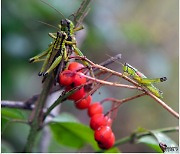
54 64
45 64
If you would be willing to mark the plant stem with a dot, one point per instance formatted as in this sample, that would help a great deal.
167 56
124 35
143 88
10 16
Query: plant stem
81 12
36 116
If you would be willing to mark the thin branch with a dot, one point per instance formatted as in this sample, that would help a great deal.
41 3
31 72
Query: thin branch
15 104
120 102
20 105
109 61
81 12
111 83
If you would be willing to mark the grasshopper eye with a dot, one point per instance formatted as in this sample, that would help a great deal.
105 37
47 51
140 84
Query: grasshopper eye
163 79
160 92
68 22
64 22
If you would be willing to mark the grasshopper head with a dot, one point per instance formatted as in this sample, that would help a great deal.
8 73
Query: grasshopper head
67 26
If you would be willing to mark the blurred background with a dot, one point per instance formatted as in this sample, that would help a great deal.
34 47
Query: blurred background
144 32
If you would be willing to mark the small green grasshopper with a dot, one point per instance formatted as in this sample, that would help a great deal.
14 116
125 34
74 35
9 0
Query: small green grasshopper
143 80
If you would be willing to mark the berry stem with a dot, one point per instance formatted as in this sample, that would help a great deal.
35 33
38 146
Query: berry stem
60 100
121 101
112 83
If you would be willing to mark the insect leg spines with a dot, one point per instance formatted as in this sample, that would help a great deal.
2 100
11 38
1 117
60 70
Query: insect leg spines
37 57
45 64
53 35
55 63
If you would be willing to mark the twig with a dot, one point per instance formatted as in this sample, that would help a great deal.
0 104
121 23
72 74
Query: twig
20 105
111 83
109 61
121 101
15 104
81 12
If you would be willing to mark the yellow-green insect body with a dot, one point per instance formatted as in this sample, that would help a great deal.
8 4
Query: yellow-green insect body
67 30
143 80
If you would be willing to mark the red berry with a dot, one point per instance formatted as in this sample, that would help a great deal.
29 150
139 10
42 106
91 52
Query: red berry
84 103
79 79
77 95
66 78
105 137
109 121
95 108
74 66
98 120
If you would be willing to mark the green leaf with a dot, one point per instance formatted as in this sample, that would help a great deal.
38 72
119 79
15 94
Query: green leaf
4 123
6 147
112 150
73 134
162 138
155 138
151 142
11 113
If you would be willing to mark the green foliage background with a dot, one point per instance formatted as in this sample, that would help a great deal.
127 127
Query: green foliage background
144 32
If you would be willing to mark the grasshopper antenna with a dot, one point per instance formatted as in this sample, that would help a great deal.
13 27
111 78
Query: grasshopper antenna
53 8
115 59
46 24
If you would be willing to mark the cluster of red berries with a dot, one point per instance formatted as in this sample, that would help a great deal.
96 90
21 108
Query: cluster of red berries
101 124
